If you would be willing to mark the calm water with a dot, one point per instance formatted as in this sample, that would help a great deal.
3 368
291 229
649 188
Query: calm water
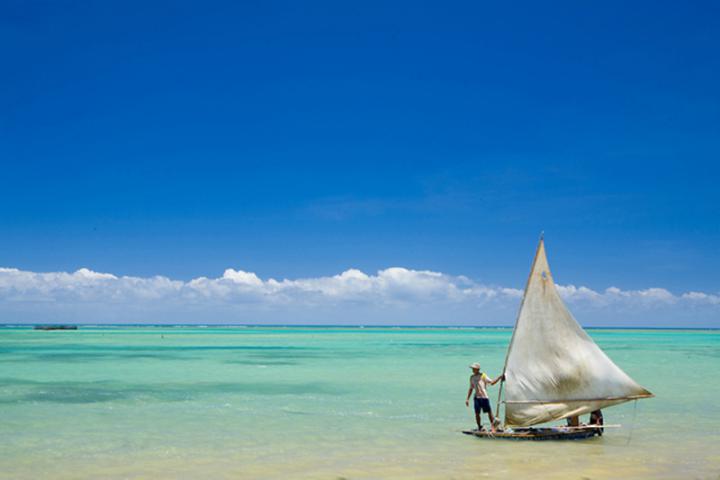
326 403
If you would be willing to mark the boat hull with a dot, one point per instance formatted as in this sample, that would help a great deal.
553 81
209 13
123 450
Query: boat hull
537 434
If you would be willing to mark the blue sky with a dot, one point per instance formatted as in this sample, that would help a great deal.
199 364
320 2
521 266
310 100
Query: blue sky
303 139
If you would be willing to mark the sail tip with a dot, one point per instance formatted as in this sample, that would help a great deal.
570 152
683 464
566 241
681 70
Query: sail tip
645 394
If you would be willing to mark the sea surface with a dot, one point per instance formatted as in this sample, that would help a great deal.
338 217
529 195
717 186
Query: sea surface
327 403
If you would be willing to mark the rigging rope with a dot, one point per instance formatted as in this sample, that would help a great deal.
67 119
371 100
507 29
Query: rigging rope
632 423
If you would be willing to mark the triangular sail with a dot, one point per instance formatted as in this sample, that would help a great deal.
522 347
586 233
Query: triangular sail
553 368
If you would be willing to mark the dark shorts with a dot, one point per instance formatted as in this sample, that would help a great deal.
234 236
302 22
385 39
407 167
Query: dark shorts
482 404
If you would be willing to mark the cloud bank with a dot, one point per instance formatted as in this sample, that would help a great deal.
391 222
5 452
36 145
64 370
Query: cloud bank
393 295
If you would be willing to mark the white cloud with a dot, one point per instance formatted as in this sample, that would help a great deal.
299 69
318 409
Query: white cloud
700 297
573 293
387 289
83 285
243 278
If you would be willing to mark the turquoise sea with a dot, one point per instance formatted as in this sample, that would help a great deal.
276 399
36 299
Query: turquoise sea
327 403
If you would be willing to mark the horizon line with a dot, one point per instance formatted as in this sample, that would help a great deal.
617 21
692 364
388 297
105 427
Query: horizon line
323 325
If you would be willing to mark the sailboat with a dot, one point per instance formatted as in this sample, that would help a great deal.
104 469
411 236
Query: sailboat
553 369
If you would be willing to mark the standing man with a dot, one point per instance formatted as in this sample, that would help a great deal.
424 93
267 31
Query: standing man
479 382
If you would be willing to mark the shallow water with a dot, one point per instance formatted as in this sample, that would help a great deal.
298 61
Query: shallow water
266 402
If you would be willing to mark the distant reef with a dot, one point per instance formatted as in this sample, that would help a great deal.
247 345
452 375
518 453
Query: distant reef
56 327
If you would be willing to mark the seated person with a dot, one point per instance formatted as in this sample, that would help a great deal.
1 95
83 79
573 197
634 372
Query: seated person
596 418
573 421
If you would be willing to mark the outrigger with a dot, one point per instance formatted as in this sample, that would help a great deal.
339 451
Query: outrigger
553 369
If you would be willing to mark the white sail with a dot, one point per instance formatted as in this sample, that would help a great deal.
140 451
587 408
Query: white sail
554 369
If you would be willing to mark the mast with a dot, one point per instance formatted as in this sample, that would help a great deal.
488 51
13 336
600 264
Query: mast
517 318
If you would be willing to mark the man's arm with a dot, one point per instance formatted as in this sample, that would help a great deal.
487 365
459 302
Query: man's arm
467 400
501 377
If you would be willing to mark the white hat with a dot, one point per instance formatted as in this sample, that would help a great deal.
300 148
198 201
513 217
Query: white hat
475 365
